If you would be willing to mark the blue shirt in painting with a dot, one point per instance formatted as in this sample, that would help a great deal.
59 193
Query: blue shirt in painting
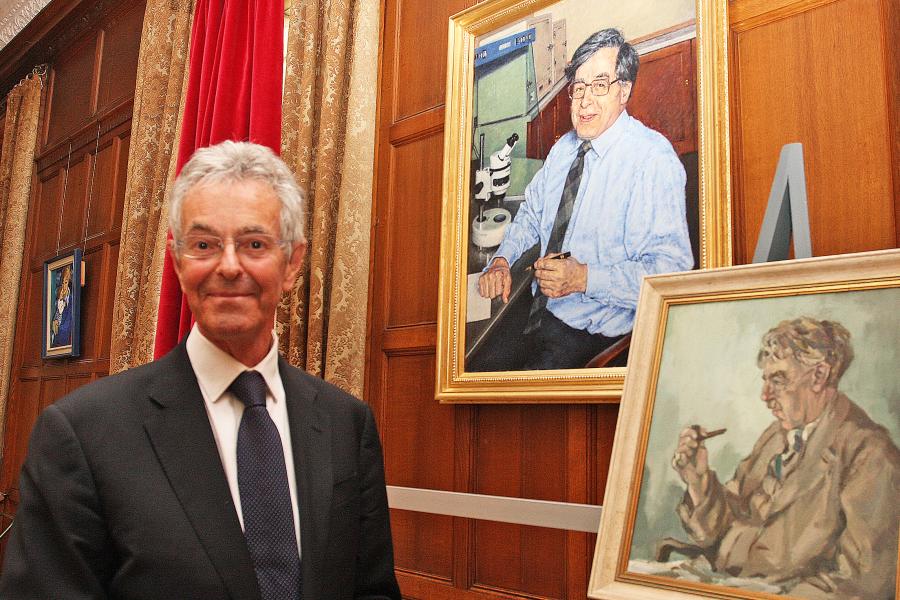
628 221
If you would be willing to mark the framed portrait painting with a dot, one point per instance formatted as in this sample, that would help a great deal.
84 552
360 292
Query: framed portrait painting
586 146
756 453
61 323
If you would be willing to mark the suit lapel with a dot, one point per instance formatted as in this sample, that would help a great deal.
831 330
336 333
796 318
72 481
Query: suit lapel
311 446
179 430
772 443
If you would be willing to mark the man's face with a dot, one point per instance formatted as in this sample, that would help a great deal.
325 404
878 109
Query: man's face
233 298
788 391
592 115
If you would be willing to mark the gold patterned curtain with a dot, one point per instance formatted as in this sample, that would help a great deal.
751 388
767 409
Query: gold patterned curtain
161 84
23 107
328 137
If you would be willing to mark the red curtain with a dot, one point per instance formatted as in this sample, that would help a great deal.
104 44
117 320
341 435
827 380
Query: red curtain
234 93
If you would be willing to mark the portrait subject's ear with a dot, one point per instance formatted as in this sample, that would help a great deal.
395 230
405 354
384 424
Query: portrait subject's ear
626 91
820 376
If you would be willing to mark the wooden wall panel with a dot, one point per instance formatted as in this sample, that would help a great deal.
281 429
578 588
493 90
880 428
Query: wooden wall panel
415 217
102 192
522 561
75 187
52 389
423 544
91 300
72 85
46 211
421 57
20 418
419 448
418 453
73 382
815 73
121 44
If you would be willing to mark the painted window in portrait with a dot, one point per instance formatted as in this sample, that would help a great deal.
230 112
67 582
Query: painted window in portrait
758 453
61 324
582 154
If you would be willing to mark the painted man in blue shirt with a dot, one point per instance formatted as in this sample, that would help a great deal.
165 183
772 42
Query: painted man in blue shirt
627 219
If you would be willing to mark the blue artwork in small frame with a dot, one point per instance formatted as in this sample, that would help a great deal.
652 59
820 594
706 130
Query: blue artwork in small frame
61 323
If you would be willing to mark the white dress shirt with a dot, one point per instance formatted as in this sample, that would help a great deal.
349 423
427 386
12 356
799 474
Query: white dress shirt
215 370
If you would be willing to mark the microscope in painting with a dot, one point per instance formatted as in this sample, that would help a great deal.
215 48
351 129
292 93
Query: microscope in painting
490 185
505 102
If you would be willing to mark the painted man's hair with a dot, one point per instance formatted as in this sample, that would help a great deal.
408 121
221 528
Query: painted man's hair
810 342
627 61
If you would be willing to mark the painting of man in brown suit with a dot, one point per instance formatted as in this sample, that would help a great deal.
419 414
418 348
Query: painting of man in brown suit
814 509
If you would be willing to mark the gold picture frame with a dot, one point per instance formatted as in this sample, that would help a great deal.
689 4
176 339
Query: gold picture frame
707 31
709 378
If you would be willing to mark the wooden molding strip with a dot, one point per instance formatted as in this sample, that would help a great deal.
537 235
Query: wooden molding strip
522 511
744 15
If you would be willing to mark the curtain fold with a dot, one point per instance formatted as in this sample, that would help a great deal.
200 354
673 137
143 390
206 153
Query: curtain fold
328 138
23 107
158 98
234 93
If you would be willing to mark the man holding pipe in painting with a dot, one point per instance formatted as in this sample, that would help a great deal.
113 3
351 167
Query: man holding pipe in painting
607 208
815 507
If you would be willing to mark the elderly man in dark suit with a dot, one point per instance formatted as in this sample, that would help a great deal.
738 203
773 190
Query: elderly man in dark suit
218 471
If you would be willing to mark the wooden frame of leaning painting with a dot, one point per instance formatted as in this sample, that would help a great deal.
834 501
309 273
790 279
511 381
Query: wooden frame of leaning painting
508 105
756 453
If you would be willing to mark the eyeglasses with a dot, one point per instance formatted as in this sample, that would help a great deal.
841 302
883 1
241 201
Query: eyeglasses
599 87
201 246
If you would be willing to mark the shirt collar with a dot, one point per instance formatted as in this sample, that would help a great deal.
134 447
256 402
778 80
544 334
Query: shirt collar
216 369
808 428
804 432
605 140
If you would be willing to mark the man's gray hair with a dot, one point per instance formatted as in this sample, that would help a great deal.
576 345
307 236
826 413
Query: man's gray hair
627 61
810 342
231 162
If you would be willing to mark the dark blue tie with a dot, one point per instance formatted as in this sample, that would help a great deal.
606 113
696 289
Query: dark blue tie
265 495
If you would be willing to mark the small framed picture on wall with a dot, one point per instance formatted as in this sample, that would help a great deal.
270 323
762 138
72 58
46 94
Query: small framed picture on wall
61 323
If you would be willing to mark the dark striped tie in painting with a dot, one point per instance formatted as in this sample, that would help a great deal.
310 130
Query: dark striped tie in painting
563 214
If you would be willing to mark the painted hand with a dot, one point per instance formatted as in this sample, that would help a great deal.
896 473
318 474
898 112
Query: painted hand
558 278
691 461
496 281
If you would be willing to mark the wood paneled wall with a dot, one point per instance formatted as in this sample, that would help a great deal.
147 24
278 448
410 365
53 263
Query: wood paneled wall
545 452
824 73
76 201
